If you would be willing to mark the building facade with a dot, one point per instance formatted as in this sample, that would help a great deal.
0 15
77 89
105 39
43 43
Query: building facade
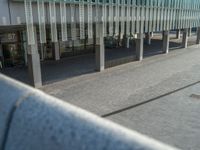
37 30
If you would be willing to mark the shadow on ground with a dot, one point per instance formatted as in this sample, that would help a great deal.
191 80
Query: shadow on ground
53 71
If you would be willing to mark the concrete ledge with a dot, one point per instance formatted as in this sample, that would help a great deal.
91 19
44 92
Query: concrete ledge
41 122
10 94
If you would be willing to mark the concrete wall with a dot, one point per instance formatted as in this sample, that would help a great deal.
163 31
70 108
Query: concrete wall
32 120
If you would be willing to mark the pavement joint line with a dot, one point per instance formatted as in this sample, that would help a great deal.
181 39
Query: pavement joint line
148 101
11 116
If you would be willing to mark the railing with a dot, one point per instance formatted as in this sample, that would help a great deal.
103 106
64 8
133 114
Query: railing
32 120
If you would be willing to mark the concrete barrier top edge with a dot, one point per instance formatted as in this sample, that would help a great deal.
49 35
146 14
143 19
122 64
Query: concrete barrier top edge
43 122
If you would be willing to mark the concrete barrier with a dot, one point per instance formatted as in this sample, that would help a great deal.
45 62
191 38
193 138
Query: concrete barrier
41 122
10 94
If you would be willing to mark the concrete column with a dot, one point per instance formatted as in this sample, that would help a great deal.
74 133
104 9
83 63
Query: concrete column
56 50
1 50
198 36
166 42
178 34
127 42
185 38
1 56
189 32
42 49
139 46
34 67
148 38
25 54
100 51
151 33
25 48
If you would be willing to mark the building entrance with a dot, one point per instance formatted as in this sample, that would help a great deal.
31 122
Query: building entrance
12 49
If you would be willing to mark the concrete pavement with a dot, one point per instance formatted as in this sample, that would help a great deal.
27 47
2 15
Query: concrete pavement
113 93
173 118
120 86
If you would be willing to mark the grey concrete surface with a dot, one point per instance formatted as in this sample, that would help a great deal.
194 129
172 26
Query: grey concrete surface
41 122
8 103
137 82
173 119
115 88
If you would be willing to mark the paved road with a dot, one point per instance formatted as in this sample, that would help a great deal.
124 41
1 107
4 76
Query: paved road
152 97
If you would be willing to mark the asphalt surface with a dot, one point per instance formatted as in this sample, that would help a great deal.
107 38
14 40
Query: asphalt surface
158 96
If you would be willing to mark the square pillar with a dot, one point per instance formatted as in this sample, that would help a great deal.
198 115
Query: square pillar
189 32
185 38
148 38
127 42
100 51
152 34
178 34
166 42
1 56
56 50
42 49
198 36
139 46
1 50
34 67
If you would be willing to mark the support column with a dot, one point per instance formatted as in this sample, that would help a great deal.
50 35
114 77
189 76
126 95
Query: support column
189 32
178 34
139 46
56 50
198 36
25 48
1 56
185 38
152 34
100 51
127 42
148 38
42 49
34 67
166 42
1 50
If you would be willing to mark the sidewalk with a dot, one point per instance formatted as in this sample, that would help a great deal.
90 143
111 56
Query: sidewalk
173 119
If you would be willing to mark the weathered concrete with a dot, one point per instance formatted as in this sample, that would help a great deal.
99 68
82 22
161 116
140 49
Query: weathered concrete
189 32
185 38
198 36
139 46
41 122
166 42
8 103
148 38
56 50
34 68
178 34
100 51
128 42
42 49
34 64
